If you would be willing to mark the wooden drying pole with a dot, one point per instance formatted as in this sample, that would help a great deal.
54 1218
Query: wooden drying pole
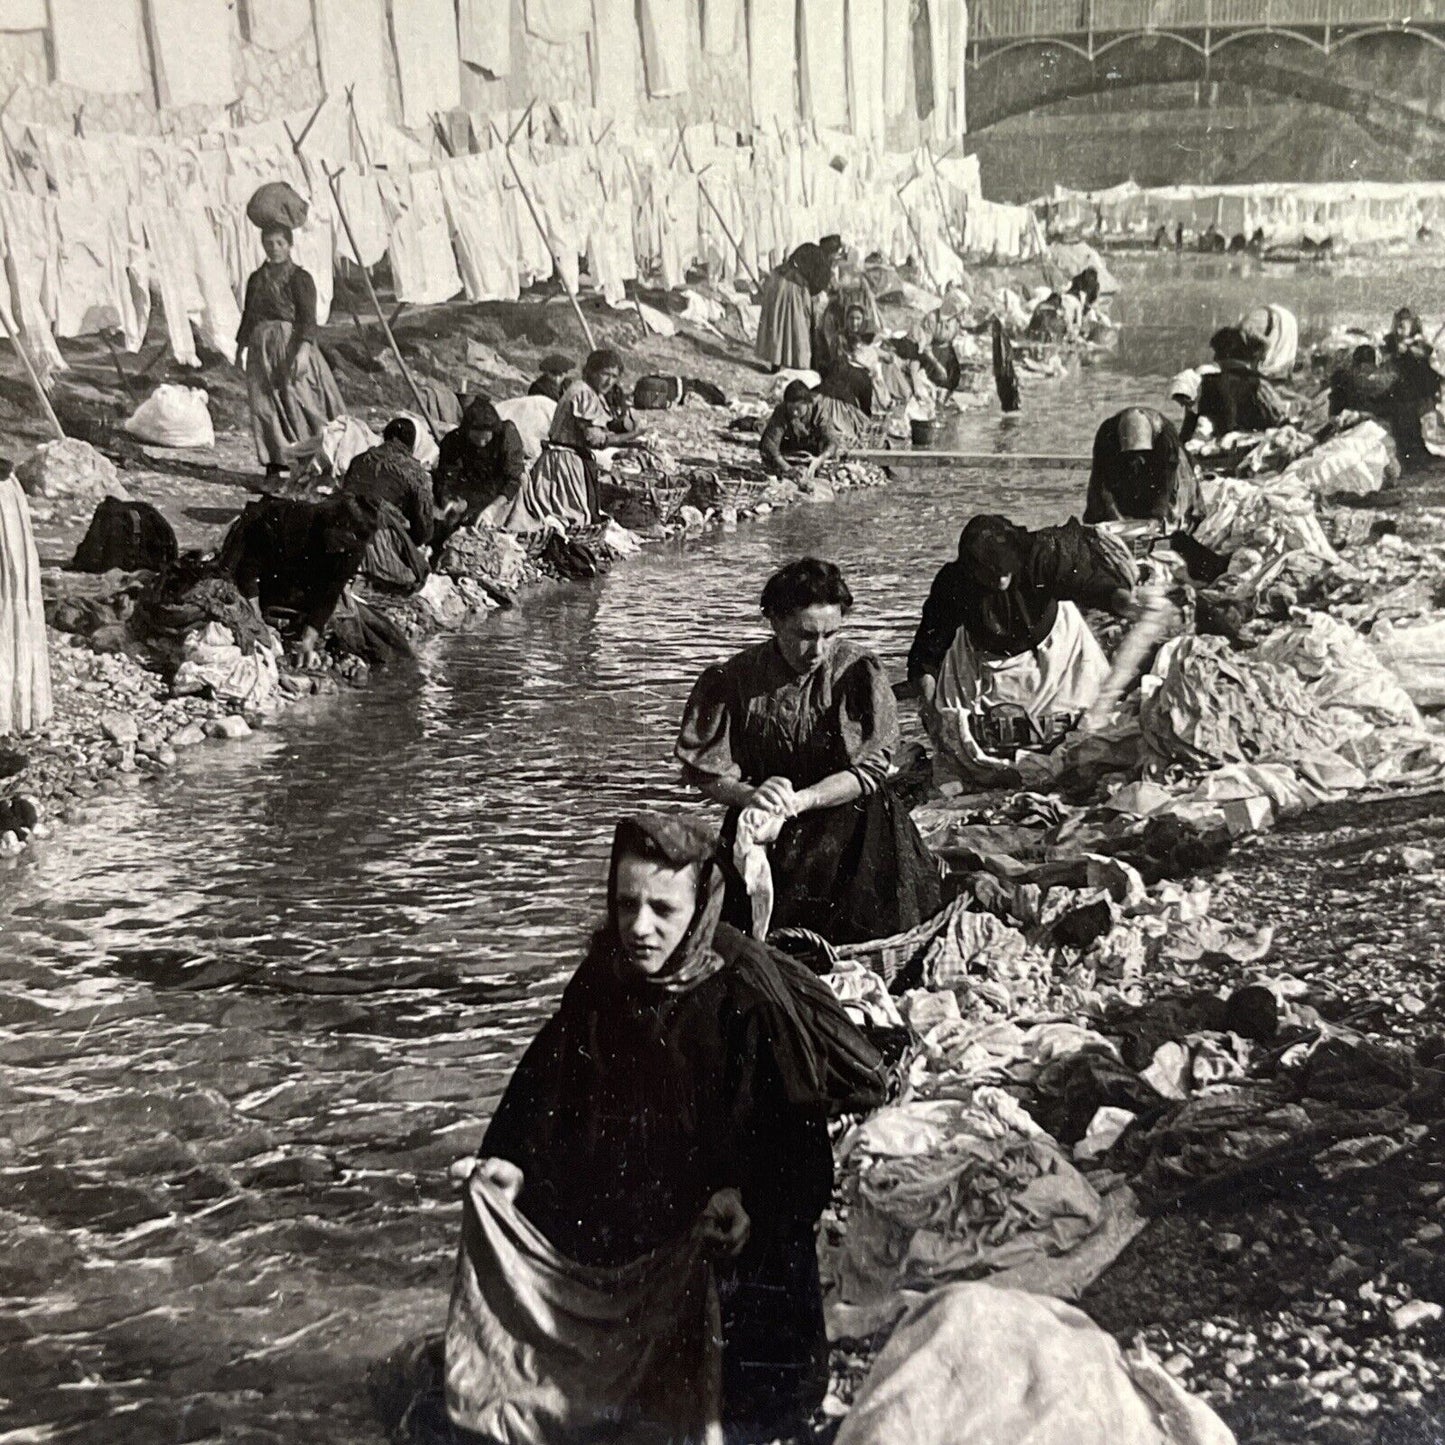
541 229
30 372
333 180
712 206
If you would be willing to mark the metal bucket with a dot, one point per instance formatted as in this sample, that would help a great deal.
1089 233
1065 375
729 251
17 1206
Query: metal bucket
924 430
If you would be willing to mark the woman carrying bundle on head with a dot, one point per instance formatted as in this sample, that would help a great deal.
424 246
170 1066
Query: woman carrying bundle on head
289 384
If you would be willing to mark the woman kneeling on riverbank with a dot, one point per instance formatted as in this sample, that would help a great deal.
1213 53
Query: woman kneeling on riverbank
802 727
673 1111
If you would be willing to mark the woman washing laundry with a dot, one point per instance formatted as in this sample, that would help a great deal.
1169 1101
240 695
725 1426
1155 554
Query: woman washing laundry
481 464
1002 657
390 476
289 384
1141 472
797 433
563 484
856 383
802 727
1397 383
677 1101
1236 397
789 303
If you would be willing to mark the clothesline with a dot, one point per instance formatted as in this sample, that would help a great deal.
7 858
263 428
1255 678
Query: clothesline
94 225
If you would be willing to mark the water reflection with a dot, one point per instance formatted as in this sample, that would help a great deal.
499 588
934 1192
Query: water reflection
249 1015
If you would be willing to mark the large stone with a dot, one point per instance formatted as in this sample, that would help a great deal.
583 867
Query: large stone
119 727
231 728
69 471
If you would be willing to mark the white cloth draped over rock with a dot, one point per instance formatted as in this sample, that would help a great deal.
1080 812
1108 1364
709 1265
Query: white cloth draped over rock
541 1350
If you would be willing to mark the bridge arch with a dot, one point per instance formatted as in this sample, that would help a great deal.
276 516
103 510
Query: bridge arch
1388 78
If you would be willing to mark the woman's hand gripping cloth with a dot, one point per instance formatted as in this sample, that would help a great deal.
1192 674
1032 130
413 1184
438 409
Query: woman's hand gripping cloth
541 1350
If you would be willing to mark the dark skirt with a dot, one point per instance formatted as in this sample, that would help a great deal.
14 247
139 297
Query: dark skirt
775 1344
851 873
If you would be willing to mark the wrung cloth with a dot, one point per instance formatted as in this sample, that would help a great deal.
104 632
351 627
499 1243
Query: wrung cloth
975 1365
24 659
541 1350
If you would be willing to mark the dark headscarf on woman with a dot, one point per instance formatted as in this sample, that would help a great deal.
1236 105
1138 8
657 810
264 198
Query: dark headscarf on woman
814 265
797 391
480 413
992 546
678 841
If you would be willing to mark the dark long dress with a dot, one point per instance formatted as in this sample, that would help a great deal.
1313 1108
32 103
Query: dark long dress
1236 398
850 873
634 1106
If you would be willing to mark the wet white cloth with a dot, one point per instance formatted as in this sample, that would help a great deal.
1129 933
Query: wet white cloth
558 21
757 827
772 62
664 46
822 65
865 67
191 41
424 34
23 15
1051 1375
541 1350
721 33
351 43
99 47
484 35
1278 328
614 59
277 24
24 661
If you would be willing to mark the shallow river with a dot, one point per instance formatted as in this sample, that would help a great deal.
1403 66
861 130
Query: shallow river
249 1015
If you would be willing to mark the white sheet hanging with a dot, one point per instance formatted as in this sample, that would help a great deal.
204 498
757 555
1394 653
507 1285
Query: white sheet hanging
897 55
614 58
192 44
721 33
558 21
351 42
772 60
821 64
865 68
664 46
276 24
424 34
23 15
99 47
484 35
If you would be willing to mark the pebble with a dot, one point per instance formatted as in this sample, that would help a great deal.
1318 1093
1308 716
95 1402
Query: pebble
1178 1365
1417 1312
187 736
1228 1244
229 728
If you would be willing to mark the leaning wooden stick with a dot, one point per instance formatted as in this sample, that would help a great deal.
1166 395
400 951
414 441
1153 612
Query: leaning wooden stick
333 180
547 241
942 202
918 241
30 372
712 206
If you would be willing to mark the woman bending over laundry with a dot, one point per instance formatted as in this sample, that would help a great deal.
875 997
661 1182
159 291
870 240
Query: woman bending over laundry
797 433
289 384
799 730
789 304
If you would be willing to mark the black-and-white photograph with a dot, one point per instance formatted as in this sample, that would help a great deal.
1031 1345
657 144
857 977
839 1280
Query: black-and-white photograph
722 722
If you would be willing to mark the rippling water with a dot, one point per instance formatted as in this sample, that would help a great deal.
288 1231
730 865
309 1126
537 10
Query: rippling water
247 1016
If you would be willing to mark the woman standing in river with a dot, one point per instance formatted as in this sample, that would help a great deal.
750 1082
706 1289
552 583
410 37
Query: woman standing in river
802 727
289 384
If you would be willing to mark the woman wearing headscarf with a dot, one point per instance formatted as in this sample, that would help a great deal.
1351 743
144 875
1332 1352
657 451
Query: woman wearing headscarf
799 731
24 659
1236 398
481 464
797 432
1141 472
683 1087
289 384
563 484
1002 657
850 290
1417 387
1278 329
788 303
391 476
